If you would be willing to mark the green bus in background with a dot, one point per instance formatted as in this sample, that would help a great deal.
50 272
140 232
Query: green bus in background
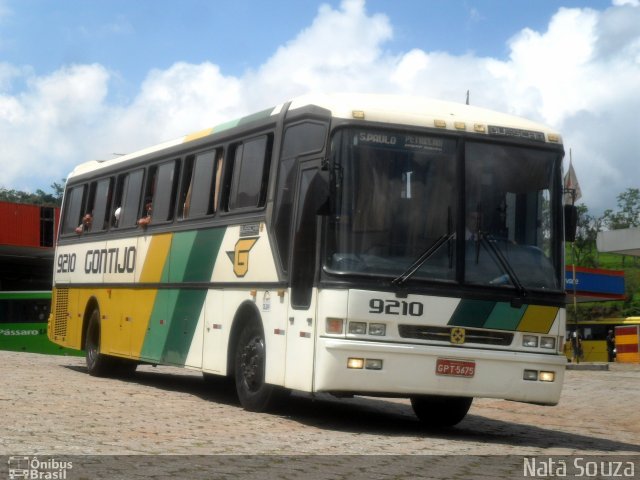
23 323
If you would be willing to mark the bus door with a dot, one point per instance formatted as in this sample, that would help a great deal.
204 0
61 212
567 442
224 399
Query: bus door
302 321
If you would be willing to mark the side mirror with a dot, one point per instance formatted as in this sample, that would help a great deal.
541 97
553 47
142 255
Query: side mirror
570 223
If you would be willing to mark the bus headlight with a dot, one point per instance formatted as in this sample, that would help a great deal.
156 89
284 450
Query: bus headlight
357 363
373 364
378 329
358 328
530 341
548 342
547 376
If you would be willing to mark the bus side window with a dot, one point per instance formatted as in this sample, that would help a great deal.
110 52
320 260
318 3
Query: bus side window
86 209
216 191
74 199
249 173
149 193
127 199
198 185
165 193
101 205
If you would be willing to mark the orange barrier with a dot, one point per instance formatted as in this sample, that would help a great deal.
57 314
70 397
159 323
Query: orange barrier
627 342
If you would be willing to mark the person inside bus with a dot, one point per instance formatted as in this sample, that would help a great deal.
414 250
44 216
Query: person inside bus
151 191
116 216
146 219
87 220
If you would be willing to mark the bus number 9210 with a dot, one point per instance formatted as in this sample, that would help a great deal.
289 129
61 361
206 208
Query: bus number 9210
395 307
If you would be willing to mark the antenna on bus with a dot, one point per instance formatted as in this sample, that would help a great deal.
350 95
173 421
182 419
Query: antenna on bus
467 102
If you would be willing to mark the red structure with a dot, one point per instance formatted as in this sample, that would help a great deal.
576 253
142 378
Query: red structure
28 225
27 237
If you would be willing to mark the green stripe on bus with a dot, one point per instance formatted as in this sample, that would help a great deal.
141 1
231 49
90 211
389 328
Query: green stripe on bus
198 268
183 324
175 312
472 313
204 251
505 317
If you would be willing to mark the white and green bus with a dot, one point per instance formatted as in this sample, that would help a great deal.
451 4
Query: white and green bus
348 244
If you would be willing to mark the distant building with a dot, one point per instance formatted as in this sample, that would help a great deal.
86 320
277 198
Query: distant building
27 236
625 241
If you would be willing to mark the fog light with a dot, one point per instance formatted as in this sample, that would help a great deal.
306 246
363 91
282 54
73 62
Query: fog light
355 362
373 364
358 328
335 325
548 342
547 376
530 341
378 329
530 375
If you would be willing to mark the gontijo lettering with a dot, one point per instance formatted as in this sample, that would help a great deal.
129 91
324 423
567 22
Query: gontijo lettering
110 260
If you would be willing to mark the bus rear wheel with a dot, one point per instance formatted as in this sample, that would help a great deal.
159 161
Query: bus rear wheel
98 364
438 411
250 362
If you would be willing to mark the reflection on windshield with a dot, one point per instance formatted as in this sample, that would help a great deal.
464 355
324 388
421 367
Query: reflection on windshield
508 202
396 197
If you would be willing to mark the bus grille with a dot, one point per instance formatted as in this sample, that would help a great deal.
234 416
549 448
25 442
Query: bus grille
61 314
443 334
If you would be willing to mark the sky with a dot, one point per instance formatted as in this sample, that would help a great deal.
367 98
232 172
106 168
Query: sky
86 80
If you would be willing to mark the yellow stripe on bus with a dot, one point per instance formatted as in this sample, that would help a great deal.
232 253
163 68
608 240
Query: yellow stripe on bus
538 319
156 258
197 135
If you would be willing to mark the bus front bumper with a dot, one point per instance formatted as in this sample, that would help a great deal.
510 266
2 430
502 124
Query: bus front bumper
407 370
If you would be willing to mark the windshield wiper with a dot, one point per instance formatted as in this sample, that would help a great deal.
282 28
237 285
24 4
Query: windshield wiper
490 242
424 256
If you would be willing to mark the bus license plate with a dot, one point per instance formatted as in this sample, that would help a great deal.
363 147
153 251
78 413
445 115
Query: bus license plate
455 368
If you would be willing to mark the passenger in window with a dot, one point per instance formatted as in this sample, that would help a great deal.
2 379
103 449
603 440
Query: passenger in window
146 220
85 226
116 216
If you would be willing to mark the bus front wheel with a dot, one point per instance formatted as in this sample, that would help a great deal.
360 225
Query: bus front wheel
250 362
438 411
98 364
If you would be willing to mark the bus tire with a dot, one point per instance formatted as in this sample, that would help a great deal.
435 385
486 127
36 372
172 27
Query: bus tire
98 364
439 411
125 367
250 362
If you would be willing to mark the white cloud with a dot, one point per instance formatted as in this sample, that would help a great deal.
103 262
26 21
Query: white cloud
580 75
49 126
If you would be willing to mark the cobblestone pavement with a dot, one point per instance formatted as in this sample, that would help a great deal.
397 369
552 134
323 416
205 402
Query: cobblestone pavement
52 406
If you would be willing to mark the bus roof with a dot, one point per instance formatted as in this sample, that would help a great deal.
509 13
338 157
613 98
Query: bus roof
395 109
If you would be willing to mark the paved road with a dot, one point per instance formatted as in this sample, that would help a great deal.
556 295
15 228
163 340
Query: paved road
53 407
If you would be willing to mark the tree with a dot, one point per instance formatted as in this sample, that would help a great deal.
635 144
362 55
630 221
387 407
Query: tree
38 198
584 248
628 214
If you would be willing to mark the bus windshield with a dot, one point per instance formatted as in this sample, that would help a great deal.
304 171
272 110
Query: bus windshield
397 211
